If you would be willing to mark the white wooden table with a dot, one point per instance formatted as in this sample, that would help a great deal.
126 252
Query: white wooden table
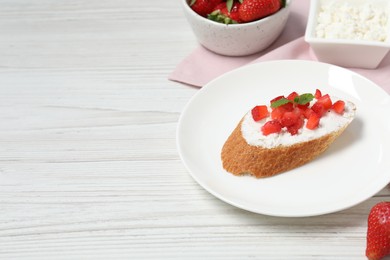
88 161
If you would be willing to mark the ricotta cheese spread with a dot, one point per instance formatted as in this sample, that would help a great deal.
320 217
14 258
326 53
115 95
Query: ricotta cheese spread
331 121
350 20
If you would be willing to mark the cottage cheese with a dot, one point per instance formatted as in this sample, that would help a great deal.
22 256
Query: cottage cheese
349 20
331 121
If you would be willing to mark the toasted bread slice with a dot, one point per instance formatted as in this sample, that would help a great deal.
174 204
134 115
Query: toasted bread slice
261 160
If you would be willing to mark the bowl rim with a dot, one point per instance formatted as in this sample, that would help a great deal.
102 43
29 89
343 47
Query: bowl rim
312 22
262 20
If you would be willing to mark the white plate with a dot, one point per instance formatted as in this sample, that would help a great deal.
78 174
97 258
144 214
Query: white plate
354 168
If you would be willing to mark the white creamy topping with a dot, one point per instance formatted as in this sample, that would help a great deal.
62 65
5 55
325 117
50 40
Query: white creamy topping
331 121
350 20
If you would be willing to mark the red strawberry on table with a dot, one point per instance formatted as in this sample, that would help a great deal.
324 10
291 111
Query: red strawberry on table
378 231
251 10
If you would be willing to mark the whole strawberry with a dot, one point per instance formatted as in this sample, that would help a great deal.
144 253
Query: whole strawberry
378 231
204 7
251 10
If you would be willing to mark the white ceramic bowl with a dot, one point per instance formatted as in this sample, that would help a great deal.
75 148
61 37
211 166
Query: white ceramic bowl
237 39
347 51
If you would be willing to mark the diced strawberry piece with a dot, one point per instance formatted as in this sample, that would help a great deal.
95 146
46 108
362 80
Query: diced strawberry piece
319 109
339 107
298 111
277 113
276 99
313 121
271 127
317 94
289 119
301 122
259 112
292 96
303 106
288 106
304 111
325 101
293 129
307 112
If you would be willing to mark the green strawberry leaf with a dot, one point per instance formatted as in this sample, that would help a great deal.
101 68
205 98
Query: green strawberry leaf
304 99
283 3
192 2
218 17
280 102
240 1
229 5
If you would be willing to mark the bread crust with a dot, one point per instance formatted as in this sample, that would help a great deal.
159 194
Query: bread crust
239 158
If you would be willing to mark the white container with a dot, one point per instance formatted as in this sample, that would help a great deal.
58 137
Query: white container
237 39
349 51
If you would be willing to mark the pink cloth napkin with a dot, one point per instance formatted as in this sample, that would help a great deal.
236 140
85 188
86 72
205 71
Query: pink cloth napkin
202 65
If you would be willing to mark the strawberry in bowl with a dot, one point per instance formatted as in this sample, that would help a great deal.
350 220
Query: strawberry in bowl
236 11
236 27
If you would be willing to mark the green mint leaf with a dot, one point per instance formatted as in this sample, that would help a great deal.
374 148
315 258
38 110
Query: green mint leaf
192 2
304 99
229 5
280 102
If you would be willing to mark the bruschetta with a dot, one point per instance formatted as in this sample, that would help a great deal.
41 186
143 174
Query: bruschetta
287 133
